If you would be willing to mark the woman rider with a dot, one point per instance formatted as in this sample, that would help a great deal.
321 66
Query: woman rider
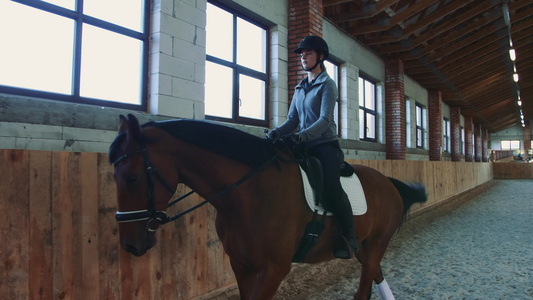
311 111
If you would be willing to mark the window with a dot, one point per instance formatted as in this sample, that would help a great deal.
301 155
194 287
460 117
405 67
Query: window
510 145
446 135
333 72
408 123
420 126
95 53
462 140
236 84
367 110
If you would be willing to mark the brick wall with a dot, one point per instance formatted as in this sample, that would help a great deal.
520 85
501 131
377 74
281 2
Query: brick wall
469 147
455 128
435 125
305 18
395 125
177 59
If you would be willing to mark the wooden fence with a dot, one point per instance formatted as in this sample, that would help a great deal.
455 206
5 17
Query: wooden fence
60 239
442 179
513 170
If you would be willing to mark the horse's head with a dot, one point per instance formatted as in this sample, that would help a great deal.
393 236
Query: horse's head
143 191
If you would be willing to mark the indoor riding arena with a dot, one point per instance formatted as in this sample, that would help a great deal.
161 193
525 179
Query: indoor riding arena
436 94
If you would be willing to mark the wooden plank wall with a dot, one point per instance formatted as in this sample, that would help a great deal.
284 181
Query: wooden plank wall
442 179
513 170
60 238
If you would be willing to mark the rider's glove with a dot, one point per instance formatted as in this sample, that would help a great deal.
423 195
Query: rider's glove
273 135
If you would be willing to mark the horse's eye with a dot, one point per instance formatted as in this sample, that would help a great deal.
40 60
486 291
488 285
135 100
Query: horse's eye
131 179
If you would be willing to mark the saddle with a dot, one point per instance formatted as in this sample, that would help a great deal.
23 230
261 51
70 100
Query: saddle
313 168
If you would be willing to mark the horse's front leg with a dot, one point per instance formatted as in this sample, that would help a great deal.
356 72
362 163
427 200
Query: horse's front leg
258 284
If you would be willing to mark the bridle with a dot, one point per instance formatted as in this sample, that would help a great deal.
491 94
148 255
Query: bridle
155 217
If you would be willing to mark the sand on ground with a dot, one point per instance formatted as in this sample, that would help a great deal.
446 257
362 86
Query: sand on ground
478 245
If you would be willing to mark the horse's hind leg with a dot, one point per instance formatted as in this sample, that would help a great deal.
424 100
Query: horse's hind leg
370 258
382 287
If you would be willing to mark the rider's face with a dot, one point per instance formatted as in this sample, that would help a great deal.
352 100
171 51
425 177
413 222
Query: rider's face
308 58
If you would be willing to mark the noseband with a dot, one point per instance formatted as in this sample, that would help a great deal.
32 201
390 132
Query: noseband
157 217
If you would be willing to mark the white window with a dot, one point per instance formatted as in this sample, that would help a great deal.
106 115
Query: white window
446 135
95 53
420 126
236 85
407 123
462 140
333 72
510 144
367 110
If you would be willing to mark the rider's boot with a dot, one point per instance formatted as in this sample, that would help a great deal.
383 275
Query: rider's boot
345 218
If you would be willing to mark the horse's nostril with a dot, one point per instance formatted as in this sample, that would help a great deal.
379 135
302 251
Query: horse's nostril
130 248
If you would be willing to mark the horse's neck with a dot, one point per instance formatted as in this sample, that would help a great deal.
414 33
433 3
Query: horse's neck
208 173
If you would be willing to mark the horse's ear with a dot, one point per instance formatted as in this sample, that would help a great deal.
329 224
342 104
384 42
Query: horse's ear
123 124
134 129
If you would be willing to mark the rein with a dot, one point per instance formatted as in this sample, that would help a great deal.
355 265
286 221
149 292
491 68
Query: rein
157 217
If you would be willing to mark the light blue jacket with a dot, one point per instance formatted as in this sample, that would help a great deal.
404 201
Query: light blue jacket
313 110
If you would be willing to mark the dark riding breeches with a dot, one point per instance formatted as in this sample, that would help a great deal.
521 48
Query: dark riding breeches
331 157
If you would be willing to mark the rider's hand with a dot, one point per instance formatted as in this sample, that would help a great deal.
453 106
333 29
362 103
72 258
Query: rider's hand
273 135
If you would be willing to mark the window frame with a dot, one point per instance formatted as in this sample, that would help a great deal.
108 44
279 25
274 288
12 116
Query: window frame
462 140
446 135
242 70
79 20
408 122
367 111
420 128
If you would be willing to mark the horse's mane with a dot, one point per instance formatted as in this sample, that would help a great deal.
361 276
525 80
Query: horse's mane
224 140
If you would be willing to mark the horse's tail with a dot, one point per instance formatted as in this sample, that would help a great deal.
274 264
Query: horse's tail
411 193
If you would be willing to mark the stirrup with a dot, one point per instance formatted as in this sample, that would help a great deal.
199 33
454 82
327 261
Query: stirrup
342 248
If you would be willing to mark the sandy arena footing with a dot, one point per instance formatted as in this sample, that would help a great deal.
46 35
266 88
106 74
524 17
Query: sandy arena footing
478 245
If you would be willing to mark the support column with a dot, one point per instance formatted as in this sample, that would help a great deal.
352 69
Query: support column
305 18
455 128
469 137
435 125
485 145
395 109
477 147
527 138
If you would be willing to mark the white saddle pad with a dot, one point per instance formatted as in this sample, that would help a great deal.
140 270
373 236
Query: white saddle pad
352 187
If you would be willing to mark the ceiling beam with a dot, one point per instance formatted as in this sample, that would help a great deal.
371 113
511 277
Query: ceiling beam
395 19
421 24
368 10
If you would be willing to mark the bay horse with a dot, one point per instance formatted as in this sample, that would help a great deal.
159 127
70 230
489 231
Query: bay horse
256 189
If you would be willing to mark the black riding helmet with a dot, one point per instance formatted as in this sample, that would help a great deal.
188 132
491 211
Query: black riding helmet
315 43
